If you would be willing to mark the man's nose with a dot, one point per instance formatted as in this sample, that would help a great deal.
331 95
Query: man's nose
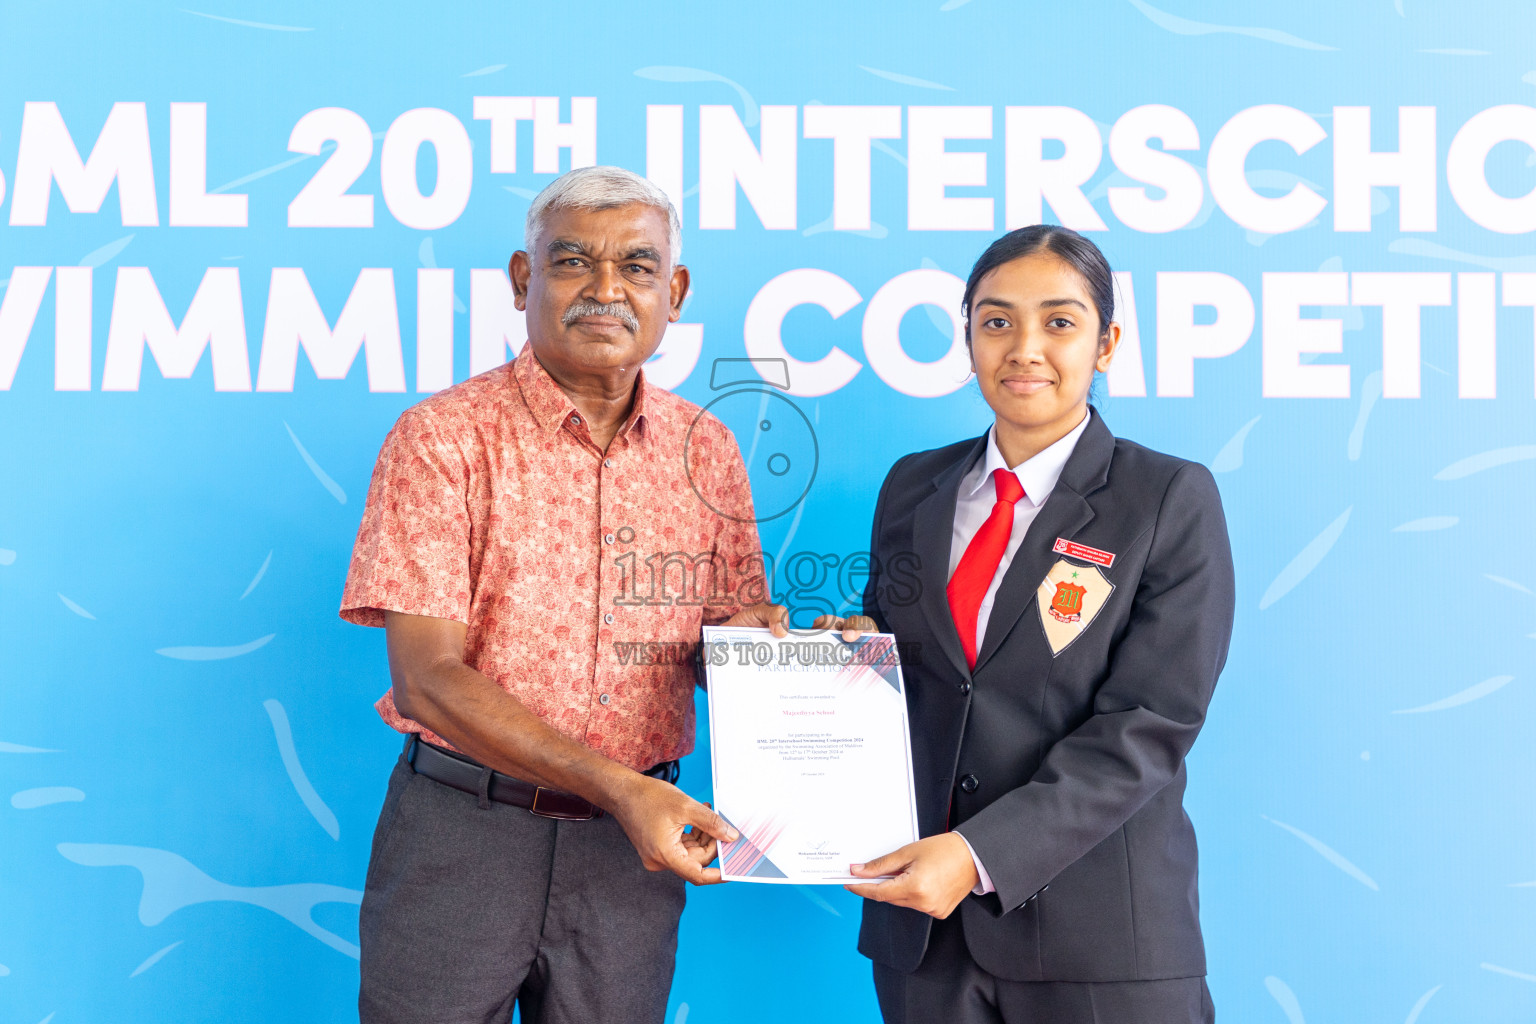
606 284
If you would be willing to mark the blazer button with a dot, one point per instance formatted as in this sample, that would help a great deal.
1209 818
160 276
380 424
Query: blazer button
969 784
965 688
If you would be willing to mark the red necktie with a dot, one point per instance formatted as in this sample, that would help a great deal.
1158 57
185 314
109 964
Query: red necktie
979 564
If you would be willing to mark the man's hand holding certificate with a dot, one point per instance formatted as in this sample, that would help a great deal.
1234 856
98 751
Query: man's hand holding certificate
811 753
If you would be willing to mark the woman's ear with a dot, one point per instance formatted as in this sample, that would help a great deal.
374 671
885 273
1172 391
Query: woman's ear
969 352
1109 342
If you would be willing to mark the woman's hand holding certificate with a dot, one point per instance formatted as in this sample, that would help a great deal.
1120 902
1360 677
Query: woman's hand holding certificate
811 753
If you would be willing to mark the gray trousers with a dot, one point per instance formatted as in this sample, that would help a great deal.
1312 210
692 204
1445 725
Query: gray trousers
471 907
949 986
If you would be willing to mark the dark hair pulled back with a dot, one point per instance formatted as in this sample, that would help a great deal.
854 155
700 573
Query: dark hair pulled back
1063 243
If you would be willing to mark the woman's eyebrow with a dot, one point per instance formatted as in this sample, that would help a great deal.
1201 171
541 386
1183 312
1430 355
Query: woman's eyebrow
999 303
1048 303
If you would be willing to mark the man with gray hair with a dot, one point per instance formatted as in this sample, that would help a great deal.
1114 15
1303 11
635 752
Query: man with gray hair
532 848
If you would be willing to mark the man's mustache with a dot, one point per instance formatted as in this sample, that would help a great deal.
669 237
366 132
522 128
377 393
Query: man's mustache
617 310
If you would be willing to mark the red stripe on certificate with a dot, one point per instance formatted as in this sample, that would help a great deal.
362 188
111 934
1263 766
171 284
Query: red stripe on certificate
1083 551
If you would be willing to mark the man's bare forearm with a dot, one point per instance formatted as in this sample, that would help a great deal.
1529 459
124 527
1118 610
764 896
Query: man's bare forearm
492 726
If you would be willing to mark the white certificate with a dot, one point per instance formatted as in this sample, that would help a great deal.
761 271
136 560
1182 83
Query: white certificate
811 753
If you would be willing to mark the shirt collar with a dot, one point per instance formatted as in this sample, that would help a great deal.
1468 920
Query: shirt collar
1037 474
551 406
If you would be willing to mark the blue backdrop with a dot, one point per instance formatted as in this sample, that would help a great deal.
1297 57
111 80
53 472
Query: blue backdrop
190 766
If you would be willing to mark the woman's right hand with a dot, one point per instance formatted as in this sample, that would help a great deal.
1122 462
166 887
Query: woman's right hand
853 626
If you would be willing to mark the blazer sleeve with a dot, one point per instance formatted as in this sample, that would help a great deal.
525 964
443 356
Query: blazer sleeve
1146 712
874 583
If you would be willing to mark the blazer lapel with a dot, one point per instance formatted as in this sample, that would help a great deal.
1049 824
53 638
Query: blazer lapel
933 524
1066 511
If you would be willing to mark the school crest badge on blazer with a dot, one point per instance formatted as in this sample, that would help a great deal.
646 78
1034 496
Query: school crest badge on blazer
1070 597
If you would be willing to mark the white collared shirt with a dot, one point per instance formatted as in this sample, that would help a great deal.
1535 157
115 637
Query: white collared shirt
1037 475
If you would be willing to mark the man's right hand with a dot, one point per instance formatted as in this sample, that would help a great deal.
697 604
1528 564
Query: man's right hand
654 814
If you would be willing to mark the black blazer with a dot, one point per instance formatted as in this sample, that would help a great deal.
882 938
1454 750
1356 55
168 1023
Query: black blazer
1066 770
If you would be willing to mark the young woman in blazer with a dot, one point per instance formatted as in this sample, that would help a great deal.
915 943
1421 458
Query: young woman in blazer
1074 614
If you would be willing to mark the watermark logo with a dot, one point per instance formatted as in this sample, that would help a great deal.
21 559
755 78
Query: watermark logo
774 434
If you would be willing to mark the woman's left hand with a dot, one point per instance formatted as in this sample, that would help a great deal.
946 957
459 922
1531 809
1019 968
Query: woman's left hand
932 875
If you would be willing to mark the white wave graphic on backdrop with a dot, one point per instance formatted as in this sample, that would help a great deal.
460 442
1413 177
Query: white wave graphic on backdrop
100 257
259 574
900 79
1427 523
1461 697
1418 1007
325 150
819 900
675 73
1231 455
172 882
314 467
488 70
1436 251
214 653
1185 27
1328 853
301 784
426 252
1511 584
46 796
1370 393
17 748
1487 460
76 608
248 24
1352 317
1282 994
154 958
1496 969
1308 559
875 229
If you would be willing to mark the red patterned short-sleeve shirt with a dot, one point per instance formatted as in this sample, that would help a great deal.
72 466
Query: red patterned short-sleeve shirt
583 576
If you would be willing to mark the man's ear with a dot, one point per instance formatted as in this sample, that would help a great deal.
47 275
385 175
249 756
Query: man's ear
519 268
678 292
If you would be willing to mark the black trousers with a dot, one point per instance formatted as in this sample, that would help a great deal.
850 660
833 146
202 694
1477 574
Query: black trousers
948 986
470 908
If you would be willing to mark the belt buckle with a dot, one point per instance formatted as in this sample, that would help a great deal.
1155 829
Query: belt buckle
533 808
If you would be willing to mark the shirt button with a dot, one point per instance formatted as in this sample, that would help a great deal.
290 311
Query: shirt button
575 419
608 463
965 688
604 699
969 784
608 618
607 538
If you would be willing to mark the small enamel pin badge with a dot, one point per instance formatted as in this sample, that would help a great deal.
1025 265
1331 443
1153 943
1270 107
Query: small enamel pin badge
1070 597
1083 551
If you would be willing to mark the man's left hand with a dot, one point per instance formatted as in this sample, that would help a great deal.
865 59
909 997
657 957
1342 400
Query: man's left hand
774 616
932 875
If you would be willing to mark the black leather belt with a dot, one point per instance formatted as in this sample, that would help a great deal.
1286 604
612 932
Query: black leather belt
469 776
